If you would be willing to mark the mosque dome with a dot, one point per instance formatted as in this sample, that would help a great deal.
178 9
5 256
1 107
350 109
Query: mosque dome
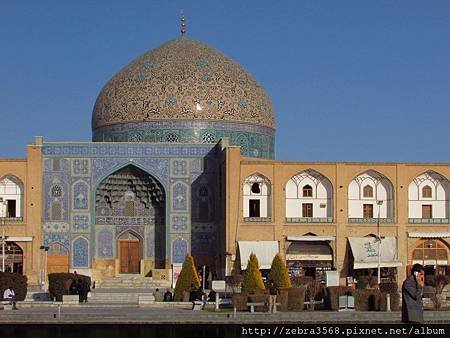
185 92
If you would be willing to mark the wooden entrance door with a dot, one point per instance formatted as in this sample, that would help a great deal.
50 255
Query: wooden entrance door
129 256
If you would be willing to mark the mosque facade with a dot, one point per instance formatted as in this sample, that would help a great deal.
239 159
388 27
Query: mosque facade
182 161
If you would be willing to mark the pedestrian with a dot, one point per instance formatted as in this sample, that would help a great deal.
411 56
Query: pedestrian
11 296
158 296
273 289
412 292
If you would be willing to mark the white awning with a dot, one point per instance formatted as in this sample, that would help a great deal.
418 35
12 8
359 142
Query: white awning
18 239
365 252
265 251
428 234
310 238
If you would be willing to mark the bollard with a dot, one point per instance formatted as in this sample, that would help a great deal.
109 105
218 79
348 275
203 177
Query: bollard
217 301
388 302
59 312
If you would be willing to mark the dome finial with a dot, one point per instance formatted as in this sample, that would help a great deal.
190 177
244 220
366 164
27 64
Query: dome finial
183 25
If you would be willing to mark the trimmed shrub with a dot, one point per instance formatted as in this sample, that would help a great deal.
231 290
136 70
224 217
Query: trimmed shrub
187 280
296 299
279 273
260 298
332 294
59 283
252 279
367 300
240 301
17 281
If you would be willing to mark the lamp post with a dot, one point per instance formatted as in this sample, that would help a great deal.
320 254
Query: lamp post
44 278
4 215
379 203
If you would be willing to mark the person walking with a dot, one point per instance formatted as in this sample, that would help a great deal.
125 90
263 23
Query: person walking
412 292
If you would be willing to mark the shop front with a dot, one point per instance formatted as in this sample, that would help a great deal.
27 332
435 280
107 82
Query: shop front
369 253
309 256
432 251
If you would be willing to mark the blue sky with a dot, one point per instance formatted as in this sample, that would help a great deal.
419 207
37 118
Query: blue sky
349 80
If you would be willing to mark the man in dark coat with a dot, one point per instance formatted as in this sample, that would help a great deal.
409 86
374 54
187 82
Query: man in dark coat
412 291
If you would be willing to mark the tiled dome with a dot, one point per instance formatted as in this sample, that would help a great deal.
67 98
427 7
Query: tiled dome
184 80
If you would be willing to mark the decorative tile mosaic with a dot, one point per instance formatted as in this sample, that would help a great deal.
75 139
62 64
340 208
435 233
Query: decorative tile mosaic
81 167
62 239
80 196
80 253
56 227
179 196
179 168
125 221
151 243
80 222
137 229
179 250
134 150
179 222
154 166
164 92
56 196
105 244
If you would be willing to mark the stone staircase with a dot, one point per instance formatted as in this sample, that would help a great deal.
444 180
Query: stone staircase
126 289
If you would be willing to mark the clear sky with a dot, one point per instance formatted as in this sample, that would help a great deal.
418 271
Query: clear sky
349 80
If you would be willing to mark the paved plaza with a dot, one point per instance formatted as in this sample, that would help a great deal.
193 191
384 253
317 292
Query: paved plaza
158 315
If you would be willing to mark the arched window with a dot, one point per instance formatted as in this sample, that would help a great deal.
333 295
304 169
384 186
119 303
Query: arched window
367 191
11 193
256 196
426 192
307 191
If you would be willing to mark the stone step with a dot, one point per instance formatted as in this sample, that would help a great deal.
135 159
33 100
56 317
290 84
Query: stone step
116 297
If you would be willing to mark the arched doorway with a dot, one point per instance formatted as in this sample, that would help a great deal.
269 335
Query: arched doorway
433 254
130 252
130 213
13 257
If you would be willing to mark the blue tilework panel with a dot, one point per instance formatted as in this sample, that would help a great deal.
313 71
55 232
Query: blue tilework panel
179 196
179 250
80 253
80 222
80 197
127 150
257 141
157 167
105 244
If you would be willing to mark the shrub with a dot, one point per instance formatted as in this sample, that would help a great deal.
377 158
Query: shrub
252 279
240 301
187 280
367 300
234 281
332 294
296 299
440 281
17 281
58 282
279 273
312 290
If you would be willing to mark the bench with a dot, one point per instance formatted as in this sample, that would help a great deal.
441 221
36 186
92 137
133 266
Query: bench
253 304
7 305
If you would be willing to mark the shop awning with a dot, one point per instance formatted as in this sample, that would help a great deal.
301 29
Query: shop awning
365 252
429 234
310 238
265 251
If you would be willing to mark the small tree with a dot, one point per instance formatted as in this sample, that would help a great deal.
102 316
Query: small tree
279 273
252 278
187 280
